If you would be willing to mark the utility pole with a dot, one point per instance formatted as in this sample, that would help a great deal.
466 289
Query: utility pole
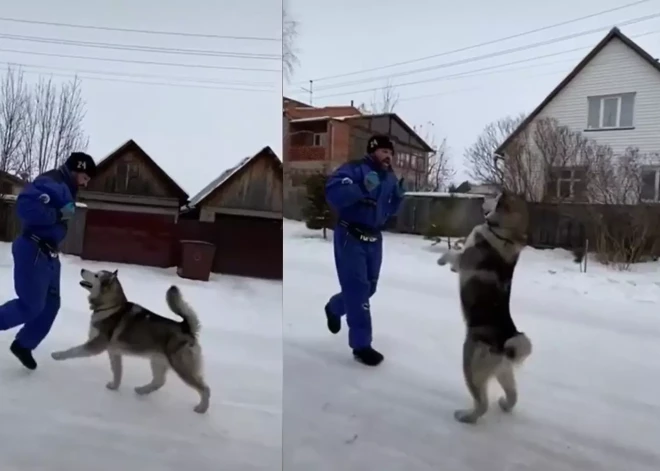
309 90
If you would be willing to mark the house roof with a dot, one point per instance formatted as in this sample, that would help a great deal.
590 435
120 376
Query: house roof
614 33
299 103
395 116
228 174
12 178
132 145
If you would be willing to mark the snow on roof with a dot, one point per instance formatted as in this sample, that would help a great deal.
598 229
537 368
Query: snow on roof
224 176
437 194
323 118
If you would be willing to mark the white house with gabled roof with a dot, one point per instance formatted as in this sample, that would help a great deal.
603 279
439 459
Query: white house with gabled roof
613 97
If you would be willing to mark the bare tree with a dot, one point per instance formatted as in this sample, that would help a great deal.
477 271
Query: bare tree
479 158
289 35
13 99
385 100
439 170
624 231
54 124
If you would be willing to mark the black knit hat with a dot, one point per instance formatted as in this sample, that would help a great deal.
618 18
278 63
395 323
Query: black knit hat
379 141
82 163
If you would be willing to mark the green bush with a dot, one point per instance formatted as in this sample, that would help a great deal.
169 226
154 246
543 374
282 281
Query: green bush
316 211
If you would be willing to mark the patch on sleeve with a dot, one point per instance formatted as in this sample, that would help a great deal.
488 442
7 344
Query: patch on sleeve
44 198
346 181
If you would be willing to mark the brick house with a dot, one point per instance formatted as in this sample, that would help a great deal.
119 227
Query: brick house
319 139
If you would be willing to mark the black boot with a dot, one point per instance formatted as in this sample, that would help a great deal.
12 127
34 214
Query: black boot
24 355
334 322
368 356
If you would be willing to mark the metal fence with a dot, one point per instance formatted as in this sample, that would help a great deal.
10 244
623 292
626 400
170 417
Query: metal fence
451 214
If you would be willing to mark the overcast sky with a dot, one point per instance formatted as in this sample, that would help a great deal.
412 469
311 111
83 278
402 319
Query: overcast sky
346 36
192 130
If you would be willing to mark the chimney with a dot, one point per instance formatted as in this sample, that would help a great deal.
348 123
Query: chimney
351 102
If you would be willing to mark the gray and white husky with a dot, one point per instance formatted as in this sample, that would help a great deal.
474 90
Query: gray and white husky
124 328
493 345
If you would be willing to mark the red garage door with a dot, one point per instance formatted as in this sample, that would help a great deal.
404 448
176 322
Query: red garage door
129 237
248 246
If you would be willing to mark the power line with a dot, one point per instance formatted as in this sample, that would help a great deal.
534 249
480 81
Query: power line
147 76
487 43
485 56
139 31
106 79
473 89
127 47
516 69
475 73
142 62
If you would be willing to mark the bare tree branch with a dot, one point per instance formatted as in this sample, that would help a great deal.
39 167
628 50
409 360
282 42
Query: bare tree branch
13 98
57 123
479 157
40 124
439 171
289 35
384 100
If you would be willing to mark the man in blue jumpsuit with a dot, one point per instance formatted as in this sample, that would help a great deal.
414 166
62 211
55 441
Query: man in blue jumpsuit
44 208
364 194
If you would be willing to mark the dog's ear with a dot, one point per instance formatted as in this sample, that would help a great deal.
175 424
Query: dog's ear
115 273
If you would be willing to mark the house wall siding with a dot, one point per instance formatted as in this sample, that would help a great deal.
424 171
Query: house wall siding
615 69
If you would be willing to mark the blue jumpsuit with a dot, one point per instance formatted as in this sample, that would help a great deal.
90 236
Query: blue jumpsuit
358 259
37 269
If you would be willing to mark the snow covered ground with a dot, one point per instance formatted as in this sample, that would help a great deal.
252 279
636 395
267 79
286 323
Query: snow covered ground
590 395
62 418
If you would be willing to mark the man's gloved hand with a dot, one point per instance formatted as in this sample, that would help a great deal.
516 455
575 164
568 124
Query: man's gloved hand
401 188
67 211
371 181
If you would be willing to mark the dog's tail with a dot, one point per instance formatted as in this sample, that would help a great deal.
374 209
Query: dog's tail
181 308
518 348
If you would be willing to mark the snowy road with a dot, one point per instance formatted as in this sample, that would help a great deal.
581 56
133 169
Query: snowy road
62 418
589 395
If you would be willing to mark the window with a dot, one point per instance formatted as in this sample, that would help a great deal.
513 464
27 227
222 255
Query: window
421 163
127 177
318 139
611 111
566 183
650 185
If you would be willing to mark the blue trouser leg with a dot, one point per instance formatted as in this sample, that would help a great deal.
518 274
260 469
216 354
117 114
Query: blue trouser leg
354 262
36 329
374 261
33 276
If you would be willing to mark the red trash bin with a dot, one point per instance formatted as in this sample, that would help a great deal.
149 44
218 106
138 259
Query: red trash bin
196 260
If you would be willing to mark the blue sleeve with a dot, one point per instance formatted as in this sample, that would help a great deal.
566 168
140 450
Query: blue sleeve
31 209
341 190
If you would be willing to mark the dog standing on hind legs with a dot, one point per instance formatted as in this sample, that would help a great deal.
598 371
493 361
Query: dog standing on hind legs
124 328
493 346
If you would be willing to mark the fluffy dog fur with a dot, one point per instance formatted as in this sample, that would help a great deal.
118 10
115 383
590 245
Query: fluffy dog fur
493 346
124 328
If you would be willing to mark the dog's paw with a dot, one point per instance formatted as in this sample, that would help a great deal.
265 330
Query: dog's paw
58 355
112 385
143 390
465 416
505 405
201 408
442 261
